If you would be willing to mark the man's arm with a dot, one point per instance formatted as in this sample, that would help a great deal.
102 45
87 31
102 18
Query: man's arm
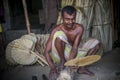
74 49
48 50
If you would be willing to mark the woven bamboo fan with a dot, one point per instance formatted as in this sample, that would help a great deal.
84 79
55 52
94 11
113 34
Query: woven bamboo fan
18 51
30 36
9 59
83 61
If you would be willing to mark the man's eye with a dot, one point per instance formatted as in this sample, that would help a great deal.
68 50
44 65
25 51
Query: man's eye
67 19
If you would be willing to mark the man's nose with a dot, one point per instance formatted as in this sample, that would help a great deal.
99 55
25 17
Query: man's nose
71 21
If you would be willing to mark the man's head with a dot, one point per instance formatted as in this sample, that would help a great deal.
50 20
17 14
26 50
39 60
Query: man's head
69 10
68 16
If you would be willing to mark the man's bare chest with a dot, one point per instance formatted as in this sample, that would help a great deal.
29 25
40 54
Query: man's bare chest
71 37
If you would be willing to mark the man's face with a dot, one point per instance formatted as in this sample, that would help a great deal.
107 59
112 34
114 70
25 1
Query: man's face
68 20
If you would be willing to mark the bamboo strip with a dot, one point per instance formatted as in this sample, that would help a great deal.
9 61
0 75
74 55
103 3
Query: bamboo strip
40 63
44 61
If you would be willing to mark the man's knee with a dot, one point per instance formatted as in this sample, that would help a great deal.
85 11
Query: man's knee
59 42
94 49
97 46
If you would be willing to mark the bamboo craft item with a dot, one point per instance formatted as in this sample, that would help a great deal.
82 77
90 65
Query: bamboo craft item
21 51
17 52
42 59
78 62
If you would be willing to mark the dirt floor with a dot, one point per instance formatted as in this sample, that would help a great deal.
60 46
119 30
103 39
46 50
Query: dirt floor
108 68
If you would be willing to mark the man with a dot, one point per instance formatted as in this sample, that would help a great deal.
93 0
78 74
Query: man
64 41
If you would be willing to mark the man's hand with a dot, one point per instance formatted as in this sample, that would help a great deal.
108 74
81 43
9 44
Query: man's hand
61 66
53 74
53 71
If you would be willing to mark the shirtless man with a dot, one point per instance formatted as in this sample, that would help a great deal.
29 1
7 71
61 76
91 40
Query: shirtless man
74 32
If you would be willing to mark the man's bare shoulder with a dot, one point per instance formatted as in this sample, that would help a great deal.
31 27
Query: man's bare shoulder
57 28
79 26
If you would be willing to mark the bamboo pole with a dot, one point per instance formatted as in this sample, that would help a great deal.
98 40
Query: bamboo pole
26 16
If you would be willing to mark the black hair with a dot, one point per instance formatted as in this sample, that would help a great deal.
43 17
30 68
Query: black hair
68 9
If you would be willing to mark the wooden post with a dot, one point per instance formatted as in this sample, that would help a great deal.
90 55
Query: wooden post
26 16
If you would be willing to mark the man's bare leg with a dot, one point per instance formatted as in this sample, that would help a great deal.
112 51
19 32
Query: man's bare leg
94 50
60 46
83 70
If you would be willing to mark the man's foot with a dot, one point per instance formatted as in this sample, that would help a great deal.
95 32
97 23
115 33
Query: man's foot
53 74
85 71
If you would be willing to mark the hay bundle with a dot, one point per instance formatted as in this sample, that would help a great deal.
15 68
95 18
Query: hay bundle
66 74
18 52
41 41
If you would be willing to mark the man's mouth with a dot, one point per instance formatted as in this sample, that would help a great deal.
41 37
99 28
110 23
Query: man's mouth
70 25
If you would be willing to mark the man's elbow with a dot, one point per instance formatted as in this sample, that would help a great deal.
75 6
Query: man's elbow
74 50
46 54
